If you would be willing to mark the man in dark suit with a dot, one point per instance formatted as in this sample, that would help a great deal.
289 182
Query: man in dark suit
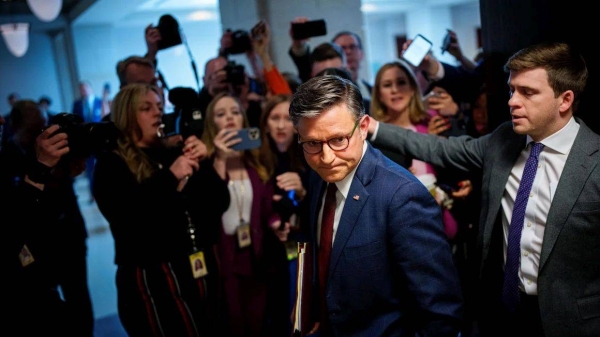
89 107
558 274
385 267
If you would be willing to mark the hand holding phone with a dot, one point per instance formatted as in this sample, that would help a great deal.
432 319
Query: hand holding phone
417 50
305 30
431 94
446 42
250 139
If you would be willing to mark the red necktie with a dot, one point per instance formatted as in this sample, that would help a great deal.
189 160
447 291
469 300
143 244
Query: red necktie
326 244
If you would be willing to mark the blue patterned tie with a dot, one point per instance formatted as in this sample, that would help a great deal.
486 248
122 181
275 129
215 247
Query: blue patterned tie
510 291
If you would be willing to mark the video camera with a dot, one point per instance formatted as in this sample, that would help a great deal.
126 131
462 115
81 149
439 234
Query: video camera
86 139
186 118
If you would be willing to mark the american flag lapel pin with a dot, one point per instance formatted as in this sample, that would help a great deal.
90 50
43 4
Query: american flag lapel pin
356 197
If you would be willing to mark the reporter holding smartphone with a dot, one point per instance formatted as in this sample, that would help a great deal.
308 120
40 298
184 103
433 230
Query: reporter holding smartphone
163 205
248 248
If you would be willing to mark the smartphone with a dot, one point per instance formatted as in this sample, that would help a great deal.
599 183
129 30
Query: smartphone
250 139
446 42
417 49
431 94
304 30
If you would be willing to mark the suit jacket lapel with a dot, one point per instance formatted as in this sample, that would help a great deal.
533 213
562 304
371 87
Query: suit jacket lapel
578 167
353 206
507 155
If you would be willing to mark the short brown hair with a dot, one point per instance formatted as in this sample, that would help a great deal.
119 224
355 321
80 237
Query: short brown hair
322 93
566 68
122 67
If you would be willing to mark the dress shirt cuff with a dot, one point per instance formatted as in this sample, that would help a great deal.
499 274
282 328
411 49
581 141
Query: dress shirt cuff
440 72
374 135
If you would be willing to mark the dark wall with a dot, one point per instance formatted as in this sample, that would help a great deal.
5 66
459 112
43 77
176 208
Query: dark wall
509 25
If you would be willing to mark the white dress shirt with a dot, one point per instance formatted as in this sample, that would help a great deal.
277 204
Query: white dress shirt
550 166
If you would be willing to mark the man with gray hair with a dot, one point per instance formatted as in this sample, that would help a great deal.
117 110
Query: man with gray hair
384 265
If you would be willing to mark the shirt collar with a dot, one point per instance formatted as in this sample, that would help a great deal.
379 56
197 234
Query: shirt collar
562 140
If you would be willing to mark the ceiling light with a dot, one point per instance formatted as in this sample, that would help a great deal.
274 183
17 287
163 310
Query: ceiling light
45 10
16 37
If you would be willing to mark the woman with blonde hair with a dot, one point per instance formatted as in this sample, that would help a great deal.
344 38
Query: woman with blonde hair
156 200
397 100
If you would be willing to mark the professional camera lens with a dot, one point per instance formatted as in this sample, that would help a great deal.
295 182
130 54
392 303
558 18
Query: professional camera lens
86 139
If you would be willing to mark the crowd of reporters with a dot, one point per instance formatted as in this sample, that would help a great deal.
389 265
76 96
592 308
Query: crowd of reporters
179 199
183 181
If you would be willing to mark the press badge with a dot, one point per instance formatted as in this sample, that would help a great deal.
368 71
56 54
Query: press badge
243 235
25 256
198 264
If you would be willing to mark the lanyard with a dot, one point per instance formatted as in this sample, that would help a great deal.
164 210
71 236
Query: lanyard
239 200
191 231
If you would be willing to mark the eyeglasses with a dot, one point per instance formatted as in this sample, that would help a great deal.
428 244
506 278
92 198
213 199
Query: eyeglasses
336 144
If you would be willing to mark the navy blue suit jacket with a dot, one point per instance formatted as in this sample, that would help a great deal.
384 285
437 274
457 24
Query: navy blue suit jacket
391 271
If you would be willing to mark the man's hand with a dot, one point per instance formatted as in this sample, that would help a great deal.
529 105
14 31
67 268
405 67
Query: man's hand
152 36
455 50
465 188
437 124
442 102
50 148
298 45
291 181
454 47
226 42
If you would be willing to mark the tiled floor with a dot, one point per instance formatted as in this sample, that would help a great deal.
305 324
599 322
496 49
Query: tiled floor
101 269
